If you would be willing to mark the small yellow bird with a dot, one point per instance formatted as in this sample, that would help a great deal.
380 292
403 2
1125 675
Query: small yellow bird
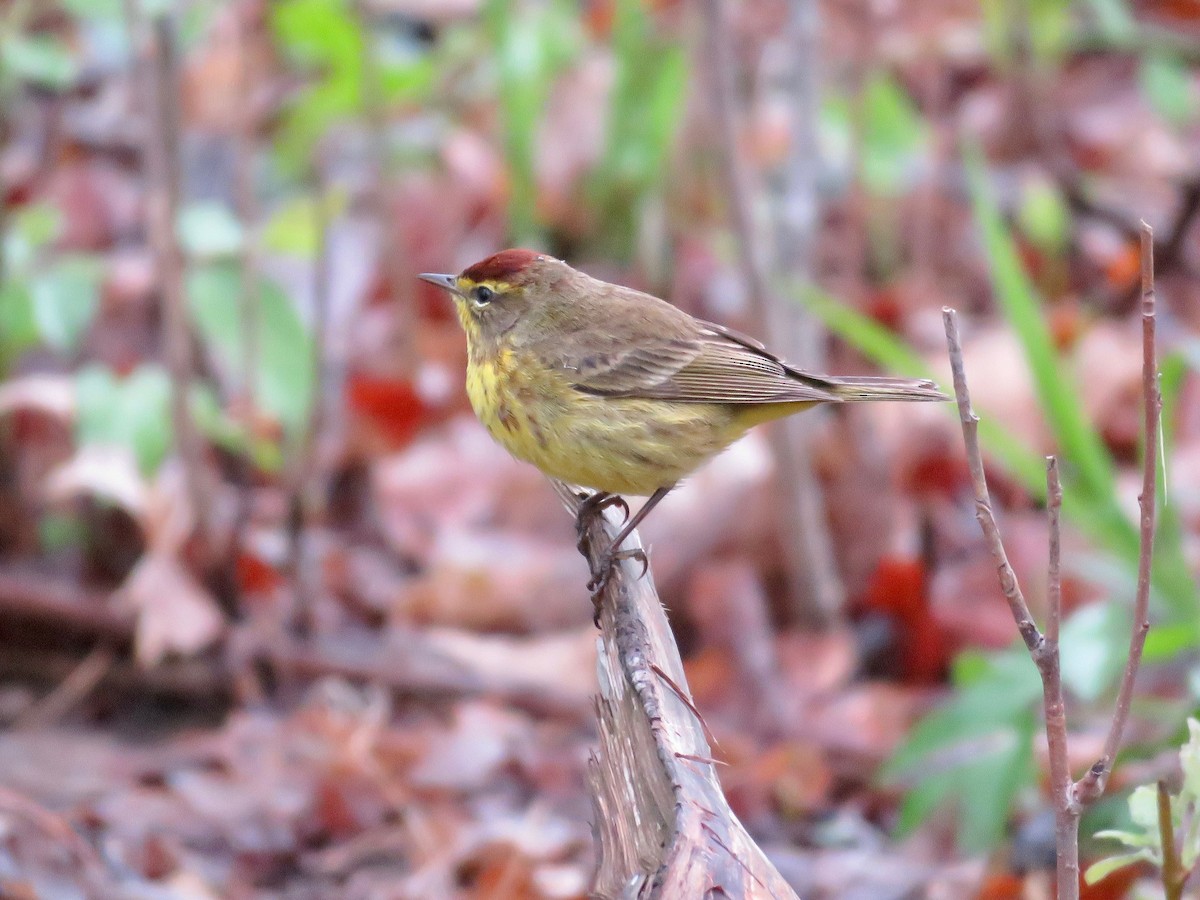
611 389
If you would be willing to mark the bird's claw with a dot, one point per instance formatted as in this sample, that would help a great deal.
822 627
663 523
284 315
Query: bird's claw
606 564
618 501
593 504
600 500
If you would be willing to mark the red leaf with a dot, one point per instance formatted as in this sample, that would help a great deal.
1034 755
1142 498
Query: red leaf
391 404
899 589
255 576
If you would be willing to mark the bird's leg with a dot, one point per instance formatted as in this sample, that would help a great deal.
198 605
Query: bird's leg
606 561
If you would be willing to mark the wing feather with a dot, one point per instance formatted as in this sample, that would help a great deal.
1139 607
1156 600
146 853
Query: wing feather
711 365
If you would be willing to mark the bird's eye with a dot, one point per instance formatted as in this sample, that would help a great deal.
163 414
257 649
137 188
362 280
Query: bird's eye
484 295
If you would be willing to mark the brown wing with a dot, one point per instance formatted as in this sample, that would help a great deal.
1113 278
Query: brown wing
706 364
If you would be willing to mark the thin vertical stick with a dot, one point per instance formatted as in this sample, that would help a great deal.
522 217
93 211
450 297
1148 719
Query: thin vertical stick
1173 875
162 157
248 292
811 571
392 254
309 442
1091 786
983 500
1048 660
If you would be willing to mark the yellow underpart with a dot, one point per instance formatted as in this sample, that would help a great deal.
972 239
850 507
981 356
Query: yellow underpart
620 445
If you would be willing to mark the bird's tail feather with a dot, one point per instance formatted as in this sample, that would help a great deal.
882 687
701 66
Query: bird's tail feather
870 387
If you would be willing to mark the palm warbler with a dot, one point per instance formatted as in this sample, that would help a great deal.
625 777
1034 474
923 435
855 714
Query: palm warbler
608 388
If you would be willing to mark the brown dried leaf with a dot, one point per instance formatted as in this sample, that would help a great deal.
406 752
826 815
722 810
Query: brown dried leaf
175 614
482 739
486 580
53 395
105 471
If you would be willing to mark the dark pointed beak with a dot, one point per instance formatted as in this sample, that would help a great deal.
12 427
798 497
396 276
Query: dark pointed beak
445 282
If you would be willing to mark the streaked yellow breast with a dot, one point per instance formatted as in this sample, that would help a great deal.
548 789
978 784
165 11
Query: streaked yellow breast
621 445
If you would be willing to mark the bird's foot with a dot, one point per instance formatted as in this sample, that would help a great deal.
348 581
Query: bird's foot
602 572
597 501
593 505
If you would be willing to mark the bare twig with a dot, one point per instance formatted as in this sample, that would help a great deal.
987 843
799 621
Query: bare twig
983 501
248 294
1048 660
69 692
1173 875
307 455
1091 786
811 571
162 157
391 253
1043 650
57 831
1070 799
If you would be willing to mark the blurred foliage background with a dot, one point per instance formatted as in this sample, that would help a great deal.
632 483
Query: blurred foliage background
276 617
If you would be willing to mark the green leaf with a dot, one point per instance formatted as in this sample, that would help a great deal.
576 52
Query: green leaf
215 424
1116 22
325 37
645 103
926 796
1143 808
94 9
991 785
983 774
37 224
1169 86
1094 643
59 531
132 412
65 299
208 230
1081 445
1166 641
1135 839
39 58
895 137
976 749
1049 27
1189 795
18 328
293 228
995 692
528 45
866 335
1189 762
408 81
30 229
1044 215
286 368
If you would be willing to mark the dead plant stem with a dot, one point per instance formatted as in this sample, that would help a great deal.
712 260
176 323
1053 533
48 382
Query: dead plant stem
812 575
1071 798
162 158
